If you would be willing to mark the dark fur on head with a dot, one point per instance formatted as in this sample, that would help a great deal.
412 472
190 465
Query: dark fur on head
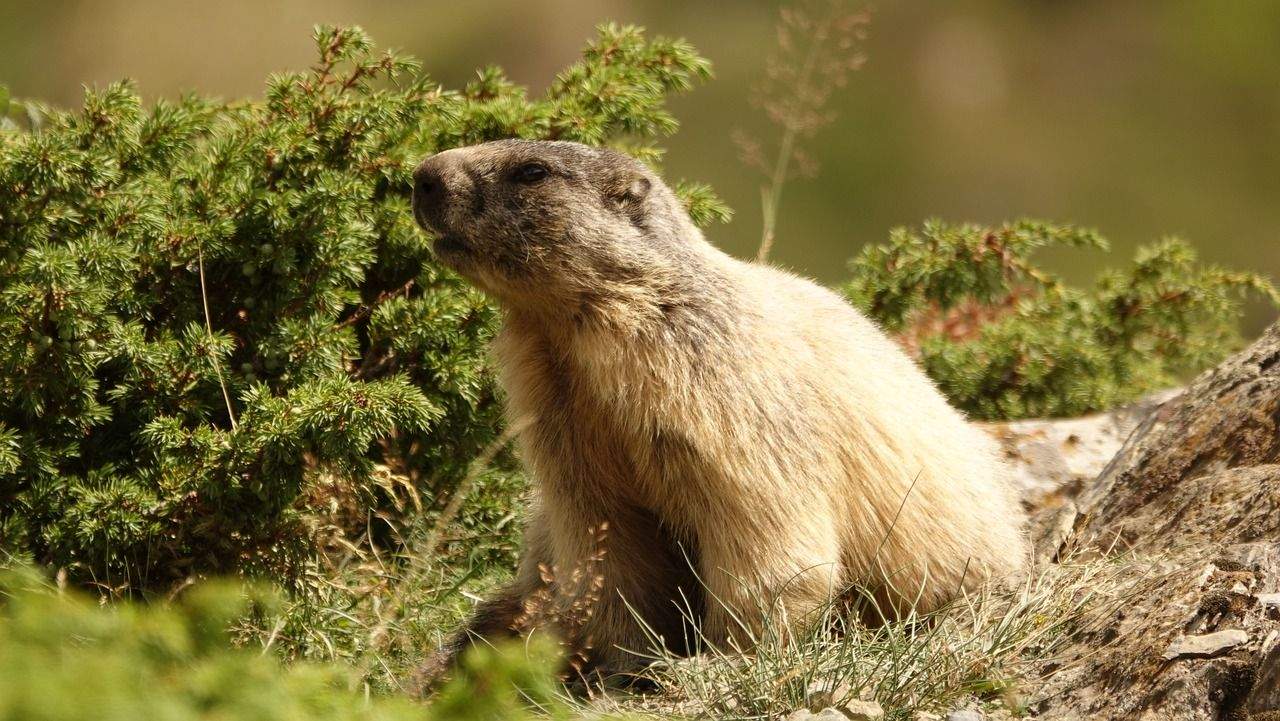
556 224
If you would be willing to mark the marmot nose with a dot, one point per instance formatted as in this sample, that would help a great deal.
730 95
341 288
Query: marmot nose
428 185
440 184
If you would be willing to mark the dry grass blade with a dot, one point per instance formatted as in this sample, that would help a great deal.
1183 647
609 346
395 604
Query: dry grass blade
208 327
817 48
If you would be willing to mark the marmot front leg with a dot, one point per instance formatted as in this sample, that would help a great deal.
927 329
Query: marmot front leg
500 617
771 575
627 588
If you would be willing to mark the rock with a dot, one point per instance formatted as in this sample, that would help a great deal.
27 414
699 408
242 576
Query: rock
1050 531
852 711
1052 457
1192 499
1219 440
827 714
1210 644
1271 641
1265 695
965 715
820 694
1269 601
863 711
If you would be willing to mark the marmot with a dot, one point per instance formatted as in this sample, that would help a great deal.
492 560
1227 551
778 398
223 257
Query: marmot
753 444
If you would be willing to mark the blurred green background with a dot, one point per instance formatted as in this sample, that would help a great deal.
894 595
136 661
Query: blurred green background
1142 119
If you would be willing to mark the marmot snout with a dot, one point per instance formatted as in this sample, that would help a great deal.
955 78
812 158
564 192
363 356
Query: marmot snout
752 443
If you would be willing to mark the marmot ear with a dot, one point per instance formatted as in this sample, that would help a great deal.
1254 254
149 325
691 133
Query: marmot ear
628 192
637 189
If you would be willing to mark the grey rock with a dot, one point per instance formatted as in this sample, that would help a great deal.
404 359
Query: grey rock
965 715
1051 457
1220 440
1191 503
1210 644
820 694
826 714
863 711
852 711
1265 695
1051 530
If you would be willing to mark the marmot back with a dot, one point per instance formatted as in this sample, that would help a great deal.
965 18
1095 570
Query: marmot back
748 439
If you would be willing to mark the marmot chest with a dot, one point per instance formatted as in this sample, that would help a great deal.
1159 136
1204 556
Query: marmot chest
605 437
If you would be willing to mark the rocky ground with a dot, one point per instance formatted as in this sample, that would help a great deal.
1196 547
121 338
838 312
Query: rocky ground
1192 499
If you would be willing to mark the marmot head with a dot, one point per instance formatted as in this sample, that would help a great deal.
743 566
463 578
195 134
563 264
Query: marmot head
552 222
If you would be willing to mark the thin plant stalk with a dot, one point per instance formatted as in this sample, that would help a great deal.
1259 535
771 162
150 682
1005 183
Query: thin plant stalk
208 327
771 194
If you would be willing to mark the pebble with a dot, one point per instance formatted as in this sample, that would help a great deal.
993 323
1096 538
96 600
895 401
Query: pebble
819 695
852 711
826 714
863 711
1209 644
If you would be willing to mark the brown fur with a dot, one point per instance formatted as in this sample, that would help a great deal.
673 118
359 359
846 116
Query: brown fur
713 413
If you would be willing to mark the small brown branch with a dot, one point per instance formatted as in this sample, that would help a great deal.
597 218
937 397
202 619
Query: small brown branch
366 309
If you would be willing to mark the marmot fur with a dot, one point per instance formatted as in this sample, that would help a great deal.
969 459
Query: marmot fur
753 444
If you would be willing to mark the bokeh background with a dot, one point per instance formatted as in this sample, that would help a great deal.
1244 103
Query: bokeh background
1139 118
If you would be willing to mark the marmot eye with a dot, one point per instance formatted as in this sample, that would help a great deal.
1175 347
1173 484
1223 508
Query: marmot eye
530 173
